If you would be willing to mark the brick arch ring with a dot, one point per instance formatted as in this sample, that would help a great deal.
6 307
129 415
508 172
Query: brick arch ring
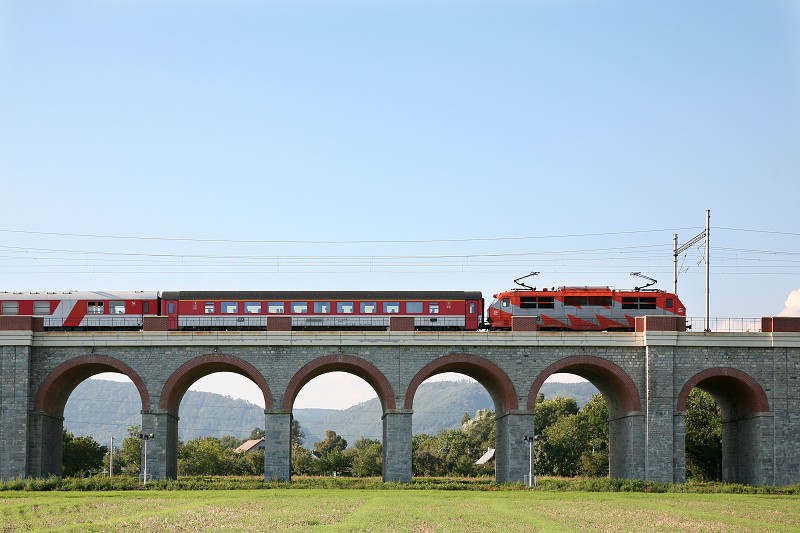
491 376
180 380
61 381
341 363
742 387
605 375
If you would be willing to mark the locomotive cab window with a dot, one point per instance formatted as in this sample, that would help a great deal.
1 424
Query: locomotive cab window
345 308
41 308
506 302
10 308
116 308
669 303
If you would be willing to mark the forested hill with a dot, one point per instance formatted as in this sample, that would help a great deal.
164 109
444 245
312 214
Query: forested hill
103 408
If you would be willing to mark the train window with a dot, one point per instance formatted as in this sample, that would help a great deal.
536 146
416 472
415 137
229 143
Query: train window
10 308
391 308
413 307
300 307
116 308
252 308
171 308
229 308
647 303
209 308
345 308
600 301
505 302
433 308
536 302
368 308
322 307
275 308
95 308
472 308
575 301
669 303
145 307
41 308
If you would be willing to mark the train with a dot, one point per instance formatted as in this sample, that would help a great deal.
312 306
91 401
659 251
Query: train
556 309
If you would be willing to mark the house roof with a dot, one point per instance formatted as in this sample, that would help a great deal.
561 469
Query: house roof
488 457
251 445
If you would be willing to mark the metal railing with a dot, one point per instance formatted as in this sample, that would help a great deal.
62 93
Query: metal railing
724 325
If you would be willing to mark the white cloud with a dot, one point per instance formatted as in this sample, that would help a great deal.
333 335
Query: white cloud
792 304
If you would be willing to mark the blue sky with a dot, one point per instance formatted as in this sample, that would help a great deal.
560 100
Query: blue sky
165 145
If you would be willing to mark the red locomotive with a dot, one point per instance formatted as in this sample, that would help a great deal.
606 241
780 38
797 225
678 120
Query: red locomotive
581 308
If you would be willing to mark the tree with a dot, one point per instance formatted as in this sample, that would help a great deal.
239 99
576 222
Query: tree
366 457
330 453
703 437
81 455
208 456
594 417
129 458
548 411
332 442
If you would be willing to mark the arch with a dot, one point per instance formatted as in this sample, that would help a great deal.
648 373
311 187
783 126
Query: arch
616 385
738 393
488 374
341 363
56 388
180 380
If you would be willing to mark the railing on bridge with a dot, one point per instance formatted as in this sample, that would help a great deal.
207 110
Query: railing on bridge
724 325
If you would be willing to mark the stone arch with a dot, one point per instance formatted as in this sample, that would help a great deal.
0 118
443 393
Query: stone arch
341 363
614 383
737 393
747 424
183 378
491 376
56 388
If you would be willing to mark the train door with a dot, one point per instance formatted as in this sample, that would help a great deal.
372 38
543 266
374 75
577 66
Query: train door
170 309
473 315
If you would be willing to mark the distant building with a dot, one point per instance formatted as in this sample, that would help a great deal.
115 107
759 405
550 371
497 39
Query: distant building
487 458
251 446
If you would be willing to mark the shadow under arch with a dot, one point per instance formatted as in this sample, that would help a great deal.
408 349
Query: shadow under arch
747 424
341 363
183 378
617 387
55 390
492 377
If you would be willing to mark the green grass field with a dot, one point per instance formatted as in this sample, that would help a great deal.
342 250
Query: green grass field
394 510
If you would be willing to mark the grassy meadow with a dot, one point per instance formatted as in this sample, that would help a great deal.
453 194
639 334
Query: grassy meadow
394 510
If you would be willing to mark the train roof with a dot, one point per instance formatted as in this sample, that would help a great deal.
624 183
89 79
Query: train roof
80 295
322 295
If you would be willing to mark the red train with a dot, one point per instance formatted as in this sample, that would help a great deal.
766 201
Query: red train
565 308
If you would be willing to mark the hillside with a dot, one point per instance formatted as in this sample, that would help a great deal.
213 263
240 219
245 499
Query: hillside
104 408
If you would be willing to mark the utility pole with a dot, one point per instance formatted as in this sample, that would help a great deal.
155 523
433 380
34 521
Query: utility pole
145 437
111 458
679 250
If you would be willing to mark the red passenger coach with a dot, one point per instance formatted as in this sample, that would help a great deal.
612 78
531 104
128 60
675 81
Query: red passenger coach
581 308
83 311
322 310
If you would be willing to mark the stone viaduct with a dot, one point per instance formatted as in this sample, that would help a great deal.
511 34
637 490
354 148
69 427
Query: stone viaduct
645 377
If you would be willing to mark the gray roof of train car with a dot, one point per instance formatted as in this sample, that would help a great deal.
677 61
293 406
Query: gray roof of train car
322 295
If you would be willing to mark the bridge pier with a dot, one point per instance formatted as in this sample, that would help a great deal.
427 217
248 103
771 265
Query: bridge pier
397 445
512 453
746 442
626 443
162 448
277 445
15 404
46 445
